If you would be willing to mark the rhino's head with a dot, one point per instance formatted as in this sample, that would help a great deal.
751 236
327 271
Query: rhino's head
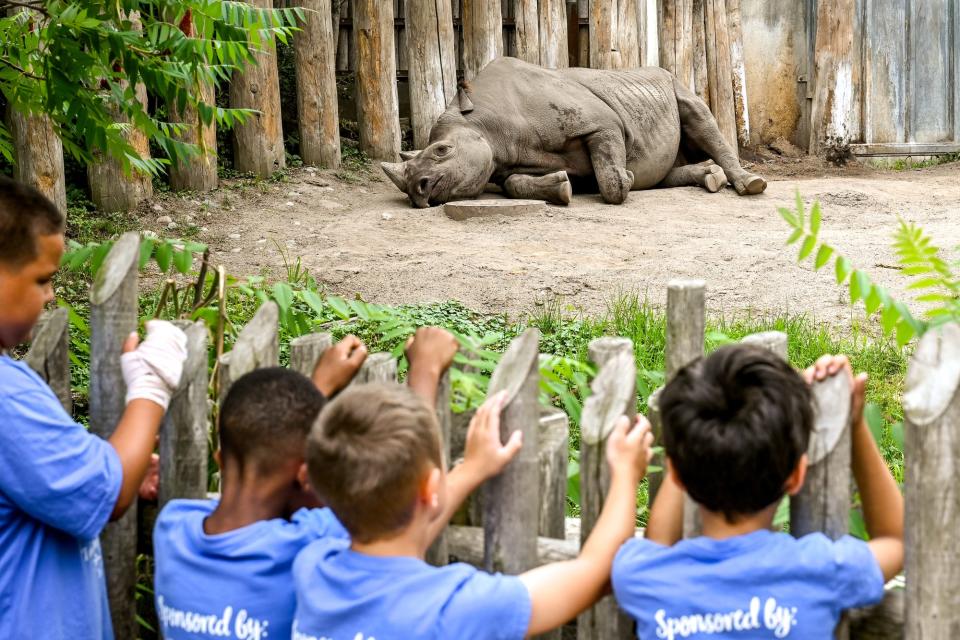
456 165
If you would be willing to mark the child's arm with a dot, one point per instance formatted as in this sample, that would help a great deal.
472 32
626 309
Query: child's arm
339 365
562 590
484 457
879 493
152 373
665 524
430 352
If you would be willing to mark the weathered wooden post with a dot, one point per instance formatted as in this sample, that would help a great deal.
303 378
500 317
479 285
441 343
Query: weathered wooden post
306 351
554 458
184 448
603 47
257 346
775 341
38 156
739 72
439 554
835 116
113 317
526 18
554 48
482 22
719 72
377 101
931 406
315 48
49 354
378 367
701 83
614 395
433 64
258 143
511 500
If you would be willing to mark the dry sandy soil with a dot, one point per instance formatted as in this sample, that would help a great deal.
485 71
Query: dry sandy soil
361 236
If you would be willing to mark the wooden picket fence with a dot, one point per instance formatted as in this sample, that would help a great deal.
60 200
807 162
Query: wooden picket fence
517 521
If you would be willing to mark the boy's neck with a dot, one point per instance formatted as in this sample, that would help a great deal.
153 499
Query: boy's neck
247 500
408 543
716 526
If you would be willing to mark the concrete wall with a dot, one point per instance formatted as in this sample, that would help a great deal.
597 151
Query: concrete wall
776 52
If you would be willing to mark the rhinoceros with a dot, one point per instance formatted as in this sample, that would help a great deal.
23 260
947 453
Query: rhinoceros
530 130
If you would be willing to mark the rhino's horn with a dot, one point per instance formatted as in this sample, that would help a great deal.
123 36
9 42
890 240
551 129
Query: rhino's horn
409 155
395 172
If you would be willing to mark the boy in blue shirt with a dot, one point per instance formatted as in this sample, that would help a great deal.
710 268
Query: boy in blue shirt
736 427
59 484
223 567
374 457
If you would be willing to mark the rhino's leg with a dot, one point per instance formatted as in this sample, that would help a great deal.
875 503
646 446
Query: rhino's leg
609 157
554 187
710 177
700 128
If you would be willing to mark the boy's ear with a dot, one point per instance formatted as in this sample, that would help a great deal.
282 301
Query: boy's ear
795 480
430 488
218 458
303 477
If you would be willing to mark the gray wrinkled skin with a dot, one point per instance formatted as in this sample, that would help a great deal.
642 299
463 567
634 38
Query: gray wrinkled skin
529 130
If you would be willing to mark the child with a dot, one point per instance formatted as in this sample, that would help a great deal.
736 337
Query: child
374 458
736 427
223 568
58 483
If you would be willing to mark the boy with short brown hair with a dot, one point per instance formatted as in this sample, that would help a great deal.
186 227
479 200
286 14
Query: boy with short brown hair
374 457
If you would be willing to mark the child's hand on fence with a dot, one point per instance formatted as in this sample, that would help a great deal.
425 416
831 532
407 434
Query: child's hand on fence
827 366
629 450
338 365
431 350
485 454
152 369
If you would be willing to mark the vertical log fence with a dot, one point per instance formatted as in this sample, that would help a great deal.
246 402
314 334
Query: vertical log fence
523 522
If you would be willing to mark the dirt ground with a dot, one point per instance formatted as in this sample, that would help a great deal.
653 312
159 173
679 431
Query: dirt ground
357 234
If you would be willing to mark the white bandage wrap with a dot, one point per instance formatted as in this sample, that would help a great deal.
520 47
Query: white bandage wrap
153 371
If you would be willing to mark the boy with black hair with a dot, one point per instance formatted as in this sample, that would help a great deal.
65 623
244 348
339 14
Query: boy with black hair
374 457
223 567
736 427
59 484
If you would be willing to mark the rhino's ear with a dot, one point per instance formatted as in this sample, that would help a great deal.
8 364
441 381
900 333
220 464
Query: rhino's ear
408 155
395 172
463 100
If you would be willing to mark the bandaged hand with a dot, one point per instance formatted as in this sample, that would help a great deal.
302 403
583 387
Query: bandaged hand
153 369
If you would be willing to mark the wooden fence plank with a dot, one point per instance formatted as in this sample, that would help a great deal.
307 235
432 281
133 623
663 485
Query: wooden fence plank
257 346
318 111
775 341
554 457
433 65
113 317
526 20
930 64
377 101
614 395
439 554
554 48
603 53
701 83
906 149
378 367
511 500
683 40
38 153
931 405
719 71
49 354
627 33
306 351
885 71
739 73
184 448
482 22
835 114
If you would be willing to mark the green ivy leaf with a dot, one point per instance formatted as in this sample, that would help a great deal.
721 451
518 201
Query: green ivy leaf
163 255
146 250
796 235
873 301
842 269
889 318
807 248
823 257
98 256
183 260
340 307
787 215
859 286
283 295
905 332
815 219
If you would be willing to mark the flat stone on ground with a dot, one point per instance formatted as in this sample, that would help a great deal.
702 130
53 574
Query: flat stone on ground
466 209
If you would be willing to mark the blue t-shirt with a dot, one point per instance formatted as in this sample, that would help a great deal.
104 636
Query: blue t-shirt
759 585
58 486
345 595
236 584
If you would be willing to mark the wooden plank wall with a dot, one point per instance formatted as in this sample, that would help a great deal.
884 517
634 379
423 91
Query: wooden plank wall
885 71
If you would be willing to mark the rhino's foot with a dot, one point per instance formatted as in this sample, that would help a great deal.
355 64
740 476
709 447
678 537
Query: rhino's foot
561 191
715 179
616 185
750 185
554 187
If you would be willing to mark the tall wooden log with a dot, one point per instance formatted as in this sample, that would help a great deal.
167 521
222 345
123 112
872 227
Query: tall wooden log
258 143
113 189
378 367
511 500
49 354
439 554
554 48
932 48
655 480
835 112
526 20
683 40
197 173
614 395
482 22
701 84
719 71
775 341
315 50
113 317
257 346
666 21
603 52
377 102
433 64
739 73
885 74
651 35
554 458
184 448
306 351
931 406
38 156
